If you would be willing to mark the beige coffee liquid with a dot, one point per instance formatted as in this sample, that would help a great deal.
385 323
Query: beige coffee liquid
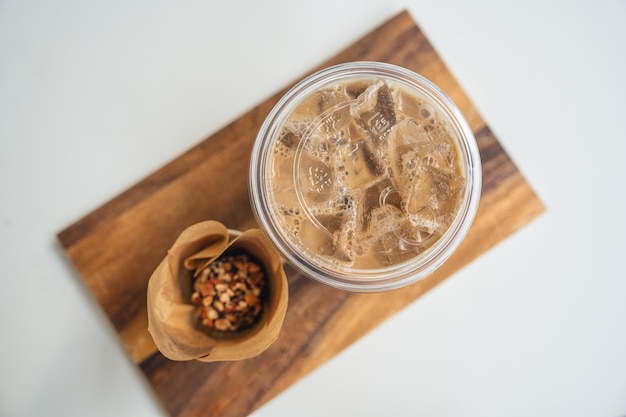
365 174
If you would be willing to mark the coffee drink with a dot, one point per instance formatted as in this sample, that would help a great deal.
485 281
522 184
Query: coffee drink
364 173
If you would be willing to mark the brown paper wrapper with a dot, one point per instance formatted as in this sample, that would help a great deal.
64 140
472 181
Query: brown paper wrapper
172 320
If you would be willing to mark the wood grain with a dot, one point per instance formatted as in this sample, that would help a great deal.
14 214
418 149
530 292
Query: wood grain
116 247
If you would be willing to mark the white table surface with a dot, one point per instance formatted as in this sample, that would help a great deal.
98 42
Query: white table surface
96 95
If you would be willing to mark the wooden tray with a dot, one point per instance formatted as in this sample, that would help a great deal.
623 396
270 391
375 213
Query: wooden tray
116 247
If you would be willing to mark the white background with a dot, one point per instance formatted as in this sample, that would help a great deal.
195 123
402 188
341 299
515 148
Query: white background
96 95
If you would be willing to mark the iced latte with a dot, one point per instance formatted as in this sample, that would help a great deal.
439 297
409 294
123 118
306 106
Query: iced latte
365 181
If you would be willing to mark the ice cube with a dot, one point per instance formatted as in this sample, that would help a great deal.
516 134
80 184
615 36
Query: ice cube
282 177
355 88
409 133
339 230
329 228
335 120
357 162
406 103
366 101
406 143
384 238
373 197
311 108
315 179
374 111
422 226
441 153
437 189
317 237
331 222
331 98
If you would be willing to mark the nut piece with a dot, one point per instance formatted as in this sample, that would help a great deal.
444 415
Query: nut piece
212 314
222 324
227 293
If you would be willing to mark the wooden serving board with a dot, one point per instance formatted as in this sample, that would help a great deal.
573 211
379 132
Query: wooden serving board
116 247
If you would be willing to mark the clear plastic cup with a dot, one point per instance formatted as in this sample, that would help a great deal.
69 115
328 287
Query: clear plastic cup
365 177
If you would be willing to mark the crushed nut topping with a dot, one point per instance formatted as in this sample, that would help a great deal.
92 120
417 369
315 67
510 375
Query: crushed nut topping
227 293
